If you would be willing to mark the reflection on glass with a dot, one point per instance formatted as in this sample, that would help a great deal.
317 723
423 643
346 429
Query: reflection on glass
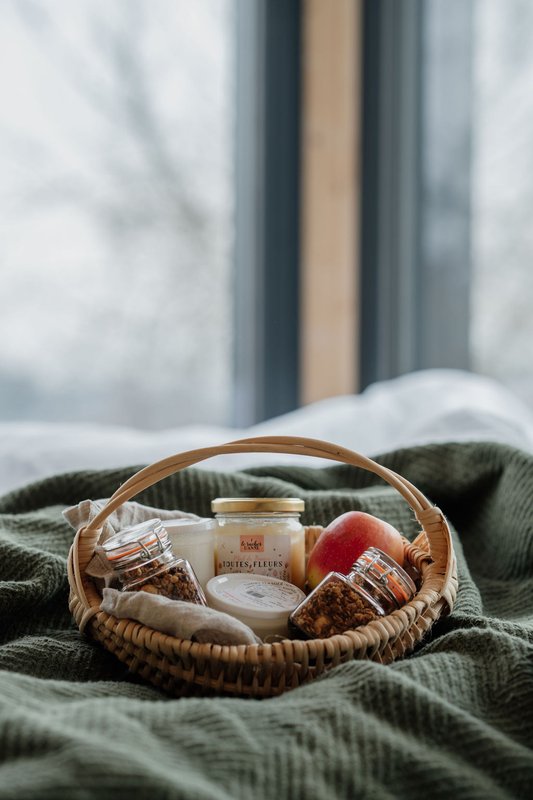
502 193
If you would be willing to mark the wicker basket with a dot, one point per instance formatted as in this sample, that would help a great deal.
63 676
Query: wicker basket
182 667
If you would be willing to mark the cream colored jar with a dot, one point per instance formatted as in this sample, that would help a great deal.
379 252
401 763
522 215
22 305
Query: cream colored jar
261 535
194 539
261 602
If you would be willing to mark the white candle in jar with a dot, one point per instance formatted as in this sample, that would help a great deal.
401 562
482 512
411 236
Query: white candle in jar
195 541
261 535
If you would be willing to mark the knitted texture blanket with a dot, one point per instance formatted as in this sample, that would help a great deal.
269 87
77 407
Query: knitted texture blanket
453 719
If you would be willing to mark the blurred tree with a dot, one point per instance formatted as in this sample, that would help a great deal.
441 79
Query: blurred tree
120 188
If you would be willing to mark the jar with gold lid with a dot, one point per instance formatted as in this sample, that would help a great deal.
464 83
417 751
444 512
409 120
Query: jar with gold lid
261 535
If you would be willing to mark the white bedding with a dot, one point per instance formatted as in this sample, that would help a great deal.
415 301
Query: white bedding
428 406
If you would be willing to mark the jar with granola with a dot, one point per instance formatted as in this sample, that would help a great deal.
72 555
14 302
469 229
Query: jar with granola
375 586
141 558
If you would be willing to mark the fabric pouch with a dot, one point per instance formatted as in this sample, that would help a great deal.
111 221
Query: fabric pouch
177 618
130 513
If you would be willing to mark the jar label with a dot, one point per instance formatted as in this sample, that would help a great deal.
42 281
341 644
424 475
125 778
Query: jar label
253 544
257 594
261 553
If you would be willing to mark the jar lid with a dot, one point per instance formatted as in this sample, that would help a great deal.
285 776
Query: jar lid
257 505
138 542
256 596
386 574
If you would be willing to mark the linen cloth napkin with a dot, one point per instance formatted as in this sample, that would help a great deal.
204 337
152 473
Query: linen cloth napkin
178 618
130 513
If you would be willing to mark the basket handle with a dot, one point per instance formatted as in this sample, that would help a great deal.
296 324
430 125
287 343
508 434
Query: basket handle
428 515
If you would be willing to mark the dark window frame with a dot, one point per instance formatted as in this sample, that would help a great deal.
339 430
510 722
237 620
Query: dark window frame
415 210
267 246
415 260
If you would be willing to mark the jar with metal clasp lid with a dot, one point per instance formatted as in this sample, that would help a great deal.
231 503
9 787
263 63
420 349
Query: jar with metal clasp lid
141 558
375 586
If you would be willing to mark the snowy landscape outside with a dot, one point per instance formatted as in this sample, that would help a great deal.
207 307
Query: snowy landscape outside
116 210
501 337
116 207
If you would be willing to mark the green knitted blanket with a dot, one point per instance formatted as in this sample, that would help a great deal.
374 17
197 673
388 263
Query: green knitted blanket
454 719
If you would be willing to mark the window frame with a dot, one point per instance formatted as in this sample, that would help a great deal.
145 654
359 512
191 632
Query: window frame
267 176
415 258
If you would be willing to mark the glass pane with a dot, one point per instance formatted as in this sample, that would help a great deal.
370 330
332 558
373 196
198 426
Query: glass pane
502 193
116 210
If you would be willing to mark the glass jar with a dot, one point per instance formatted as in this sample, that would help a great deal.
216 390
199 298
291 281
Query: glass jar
194 539
375 586
261 602
141 558
261 535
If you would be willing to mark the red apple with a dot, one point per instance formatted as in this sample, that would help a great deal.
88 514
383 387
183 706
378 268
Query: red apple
343 541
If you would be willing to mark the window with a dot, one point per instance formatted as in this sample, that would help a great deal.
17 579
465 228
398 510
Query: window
153 153
447 276
502 194
116 210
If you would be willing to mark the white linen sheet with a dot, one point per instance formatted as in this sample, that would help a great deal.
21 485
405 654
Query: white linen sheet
422 407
